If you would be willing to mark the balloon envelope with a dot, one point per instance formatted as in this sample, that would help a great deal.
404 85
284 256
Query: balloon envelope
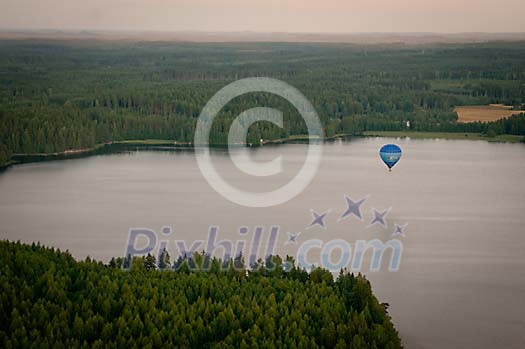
390 154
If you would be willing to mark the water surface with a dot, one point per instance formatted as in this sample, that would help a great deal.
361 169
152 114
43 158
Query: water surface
461 281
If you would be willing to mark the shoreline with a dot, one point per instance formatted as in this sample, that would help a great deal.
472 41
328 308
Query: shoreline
159 144
503 138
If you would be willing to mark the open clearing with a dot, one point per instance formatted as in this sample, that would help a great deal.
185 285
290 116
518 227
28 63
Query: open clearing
483 113
444 135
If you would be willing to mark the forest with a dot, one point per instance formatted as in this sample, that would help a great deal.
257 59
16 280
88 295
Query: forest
50 300
59 95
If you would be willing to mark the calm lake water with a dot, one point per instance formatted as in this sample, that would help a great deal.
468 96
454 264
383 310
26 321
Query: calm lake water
461 282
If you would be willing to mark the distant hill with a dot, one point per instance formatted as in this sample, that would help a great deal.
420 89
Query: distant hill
249 36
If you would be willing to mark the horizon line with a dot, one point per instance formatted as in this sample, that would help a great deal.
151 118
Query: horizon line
250 31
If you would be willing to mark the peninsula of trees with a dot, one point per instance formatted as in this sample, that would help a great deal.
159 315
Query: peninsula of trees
50 300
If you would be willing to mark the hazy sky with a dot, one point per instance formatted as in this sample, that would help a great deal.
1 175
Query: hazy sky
267 15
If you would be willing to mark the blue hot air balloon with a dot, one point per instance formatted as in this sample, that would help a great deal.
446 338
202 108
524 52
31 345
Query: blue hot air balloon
390 154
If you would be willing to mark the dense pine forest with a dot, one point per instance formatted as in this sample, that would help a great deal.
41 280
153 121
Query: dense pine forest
61 95
50 300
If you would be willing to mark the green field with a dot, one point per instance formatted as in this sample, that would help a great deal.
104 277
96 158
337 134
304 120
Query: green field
445 135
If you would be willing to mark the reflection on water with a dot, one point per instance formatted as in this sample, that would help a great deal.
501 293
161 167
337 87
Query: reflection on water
462 275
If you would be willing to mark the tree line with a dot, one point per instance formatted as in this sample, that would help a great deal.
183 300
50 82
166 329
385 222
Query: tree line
60 95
